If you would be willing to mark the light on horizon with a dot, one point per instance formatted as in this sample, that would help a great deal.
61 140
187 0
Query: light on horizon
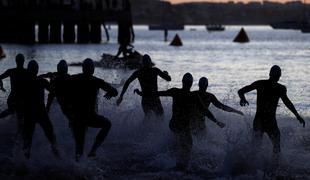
184 1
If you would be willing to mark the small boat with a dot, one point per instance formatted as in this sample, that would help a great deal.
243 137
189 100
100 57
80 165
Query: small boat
215 27
286 25
166 27
134 61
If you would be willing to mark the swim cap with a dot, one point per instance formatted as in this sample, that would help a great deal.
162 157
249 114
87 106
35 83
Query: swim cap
187 78
275 71
203 82
62 67
146 61
88 66
33 67
20 59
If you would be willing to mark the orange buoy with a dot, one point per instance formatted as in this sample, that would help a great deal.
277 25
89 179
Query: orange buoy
242 37
176 41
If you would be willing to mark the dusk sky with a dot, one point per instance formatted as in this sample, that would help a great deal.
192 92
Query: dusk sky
180 1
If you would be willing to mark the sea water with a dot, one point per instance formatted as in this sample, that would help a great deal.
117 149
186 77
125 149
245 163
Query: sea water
135 150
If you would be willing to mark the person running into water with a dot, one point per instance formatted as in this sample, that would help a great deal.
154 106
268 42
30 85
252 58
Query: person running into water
203 101
84 90
182 113
147 77
268 94
15 100
59 82
35 111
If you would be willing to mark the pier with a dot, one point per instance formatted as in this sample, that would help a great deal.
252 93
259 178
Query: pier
62 21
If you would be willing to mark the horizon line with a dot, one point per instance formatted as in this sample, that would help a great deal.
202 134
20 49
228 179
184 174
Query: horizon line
226 1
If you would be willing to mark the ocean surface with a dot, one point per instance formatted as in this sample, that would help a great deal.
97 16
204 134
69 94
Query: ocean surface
138 150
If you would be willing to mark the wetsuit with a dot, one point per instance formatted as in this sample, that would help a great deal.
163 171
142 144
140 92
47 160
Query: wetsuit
268 95
15 100
35 111
182 112
60 88
84 90
148 81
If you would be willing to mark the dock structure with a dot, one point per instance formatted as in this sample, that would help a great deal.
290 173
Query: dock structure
59 21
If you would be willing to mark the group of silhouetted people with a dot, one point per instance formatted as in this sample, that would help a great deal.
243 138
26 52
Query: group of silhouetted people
189 108
77 97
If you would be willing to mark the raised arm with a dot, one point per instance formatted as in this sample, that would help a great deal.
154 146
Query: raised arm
291 107
6 74
224 107
164 75
125 87
244 90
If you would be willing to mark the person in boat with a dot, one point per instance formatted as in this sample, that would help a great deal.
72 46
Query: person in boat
183 105
34 109
126 50
203 101
269 92
125 34
147 77
60 82
84 89
15 100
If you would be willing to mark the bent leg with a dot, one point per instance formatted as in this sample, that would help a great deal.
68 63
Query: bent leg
28 131
99 122
48 129
49 133
79 131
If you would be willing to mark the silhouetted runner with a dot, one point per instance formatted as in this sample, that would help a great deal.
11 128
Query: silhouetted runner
182 113
60 88
15 100
35 111
147 77
268 94
203 100
84 90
